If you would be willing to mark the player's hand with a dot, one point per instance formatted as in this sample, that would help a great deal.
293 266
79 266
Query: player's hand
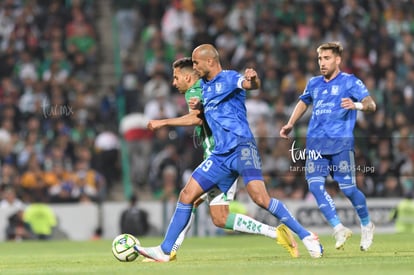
250 74
194 103
154 125
286 129
347 103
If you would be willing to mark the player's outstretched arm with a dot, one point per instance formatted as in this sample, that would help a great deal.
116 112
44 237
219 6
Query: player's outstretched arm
190 119
297 113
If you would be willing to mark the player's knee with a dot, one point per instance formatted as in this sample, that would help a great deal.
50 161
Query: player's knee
316 186
261 200
349 191
186 196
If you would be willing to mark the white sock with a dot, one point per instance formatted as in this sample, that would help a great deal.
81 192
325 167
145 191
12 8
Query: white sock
338 227
243 223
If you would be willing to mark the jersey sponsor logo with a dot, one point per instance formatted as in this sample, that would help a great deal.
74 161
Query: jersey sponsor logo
322 107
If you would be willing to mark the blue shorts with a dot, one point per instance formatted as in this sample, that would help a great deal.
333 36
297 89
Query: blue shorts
223 170
340 166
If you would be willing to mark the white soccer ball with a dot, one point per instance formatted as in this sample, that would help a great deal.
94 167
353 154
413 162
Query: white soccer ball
123 247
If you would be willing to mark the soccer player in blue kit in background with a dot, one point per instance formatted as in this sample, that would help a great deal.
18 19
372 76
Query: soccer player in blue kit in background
336 97
235 153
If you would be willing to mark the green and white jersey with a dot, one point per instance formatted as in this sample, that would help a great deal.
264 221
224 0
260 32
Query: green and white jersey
202 133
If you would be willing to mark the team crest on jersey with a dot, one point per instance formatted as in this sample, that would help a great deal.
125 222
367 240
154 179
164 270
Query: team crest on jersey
335 90
343 166
245 153
219 87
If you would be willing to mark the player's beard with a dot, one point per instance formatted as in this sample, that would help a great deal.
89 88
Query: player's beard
327 74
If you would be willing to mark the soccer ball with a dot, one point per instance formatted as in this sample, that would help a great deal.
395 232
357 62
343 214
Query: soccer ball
123 247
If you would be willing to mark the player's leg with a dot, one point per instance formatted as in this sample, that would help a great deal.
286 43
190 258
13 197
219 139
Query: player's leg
178 222
259 195
183 233
247 162
222 217
345 176
316 172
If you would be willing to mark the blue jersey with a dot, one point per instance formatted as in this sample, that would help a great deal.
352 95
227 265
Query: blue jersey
225 110
331 127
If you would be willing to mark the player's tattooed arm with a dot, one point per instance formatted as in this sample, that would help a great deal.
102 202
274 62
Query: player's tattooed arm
368 104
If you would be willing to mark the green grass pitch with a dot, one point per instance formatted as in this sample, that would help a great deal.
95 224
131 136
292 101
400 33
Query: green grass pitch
237 254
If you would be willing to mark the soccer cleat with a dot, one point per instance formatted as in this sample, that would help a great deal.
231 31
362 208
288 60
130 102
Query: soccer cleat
286 239
155 253
367 235
313 246
341 235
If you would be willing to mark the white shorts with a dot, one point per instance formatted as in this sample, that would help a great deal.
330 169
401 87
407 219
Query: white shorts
216 197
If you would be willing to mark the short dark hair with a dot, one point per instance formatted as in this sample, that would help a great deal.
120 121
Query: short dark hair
335 47
185 62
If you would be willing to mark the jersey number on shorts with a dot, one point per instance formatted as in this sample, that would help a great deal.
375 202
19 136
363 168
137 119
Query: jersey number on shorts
207 164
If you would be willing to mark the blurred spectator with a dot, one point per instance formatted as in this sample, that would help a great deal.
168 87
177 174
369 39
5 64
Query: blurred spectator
10 200
89 183
129 89
134 220
139 143
129 20
288 187
41 219
61 185
32 180
107 157
160 106
17 229
177 23
9 175
403 215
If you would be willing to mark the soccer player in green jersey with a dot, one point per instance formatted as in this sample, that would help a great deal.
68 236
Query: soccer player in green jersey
187 82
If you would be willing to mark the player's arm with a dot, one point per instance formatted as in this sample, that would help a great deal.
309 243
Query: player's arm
191 119
367 104
251 80
297 113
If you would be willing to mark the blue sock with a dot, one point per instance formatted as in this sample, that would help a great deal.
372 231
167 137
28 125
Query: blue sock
178 222
279 210
359 202
324 200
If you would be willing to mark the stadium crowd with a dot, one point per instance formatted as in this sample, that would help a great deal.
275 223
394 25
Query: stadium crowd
51 118
49 112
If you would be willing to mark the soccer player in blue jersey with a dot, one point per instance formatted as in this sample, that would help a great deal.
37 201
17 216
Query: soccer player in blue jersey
187 82
336 97
235 153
